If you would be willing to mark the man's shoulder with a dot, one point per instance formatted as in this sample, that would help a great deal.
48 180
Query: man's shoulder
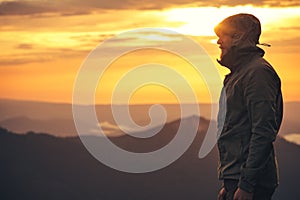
259 65
260 70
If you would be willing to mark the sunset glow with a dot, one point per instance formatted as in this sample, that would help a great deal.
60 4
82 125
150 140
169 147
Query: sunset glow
201 21
43 46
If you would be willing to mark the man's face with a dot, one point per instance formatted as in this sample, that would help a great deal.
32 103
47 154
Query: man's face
225 42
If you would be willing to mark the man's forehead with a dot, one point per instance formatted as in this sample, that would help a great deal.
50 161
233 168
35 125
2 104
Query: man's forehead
222 30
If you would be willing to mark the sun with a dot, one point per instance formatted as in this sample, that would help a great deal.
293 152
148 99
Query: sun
200 21
194 21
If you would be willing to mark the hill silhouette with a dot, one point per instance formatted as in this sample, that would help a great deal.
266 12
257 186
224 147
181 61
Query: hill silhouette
57 119
41 166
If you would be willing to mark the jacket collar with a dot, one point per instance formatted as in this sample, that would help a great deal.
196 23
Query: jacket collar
237 57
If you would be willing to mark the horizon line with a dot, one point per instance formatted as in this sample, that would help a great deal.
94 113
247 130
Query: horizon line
148 103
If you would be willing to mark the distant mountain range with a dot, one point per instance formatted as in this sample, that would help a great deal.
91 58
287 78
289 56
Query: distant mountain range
40 166
57 118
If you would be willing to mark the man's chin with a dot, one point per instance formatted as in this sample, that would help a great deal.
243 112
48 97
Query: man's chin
222 55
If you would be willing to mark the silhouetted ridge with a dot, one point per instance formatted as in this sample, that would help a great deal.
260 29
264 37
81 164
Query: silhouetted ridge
164 136
39 166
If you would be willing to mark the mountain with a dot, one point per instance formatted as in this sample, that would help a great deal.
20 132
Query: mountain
59 127
34 109
57 118
41 166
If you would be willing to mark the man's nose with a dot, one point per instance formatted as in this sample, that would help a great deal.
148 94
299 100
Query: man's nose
219 41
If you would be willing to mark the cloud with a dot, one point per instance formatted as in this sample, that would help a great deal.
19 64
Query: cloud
108 126
290 42
292 28
293 138
45 55
23 8
22 59
79 7
25 46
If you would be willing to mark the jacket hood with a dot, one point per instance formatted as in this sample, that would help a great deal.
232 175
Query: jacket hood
246 26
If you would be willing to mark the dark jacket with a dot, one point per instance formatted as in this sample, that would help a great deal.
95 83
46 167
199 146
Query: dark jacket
250 114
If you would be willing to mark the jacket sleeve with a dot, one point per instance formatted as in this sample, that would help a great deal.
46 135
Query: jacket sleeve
262 86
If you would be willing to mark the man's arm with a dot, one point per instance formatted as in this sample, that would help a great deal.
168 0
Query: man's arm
261 91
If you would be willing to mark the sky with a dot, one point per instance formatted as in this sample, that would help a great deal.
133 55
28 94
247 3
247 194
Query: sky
46 42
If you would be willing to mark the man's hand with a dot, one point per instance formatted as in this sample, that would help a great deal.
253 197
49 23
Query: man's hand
222 193
242 195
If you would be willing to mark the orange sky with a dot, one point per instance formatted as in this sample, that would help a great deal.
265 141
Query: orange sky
44 43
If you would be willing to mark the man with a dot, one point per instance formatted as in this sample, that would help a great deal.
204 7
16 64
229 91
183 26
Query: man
250 113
